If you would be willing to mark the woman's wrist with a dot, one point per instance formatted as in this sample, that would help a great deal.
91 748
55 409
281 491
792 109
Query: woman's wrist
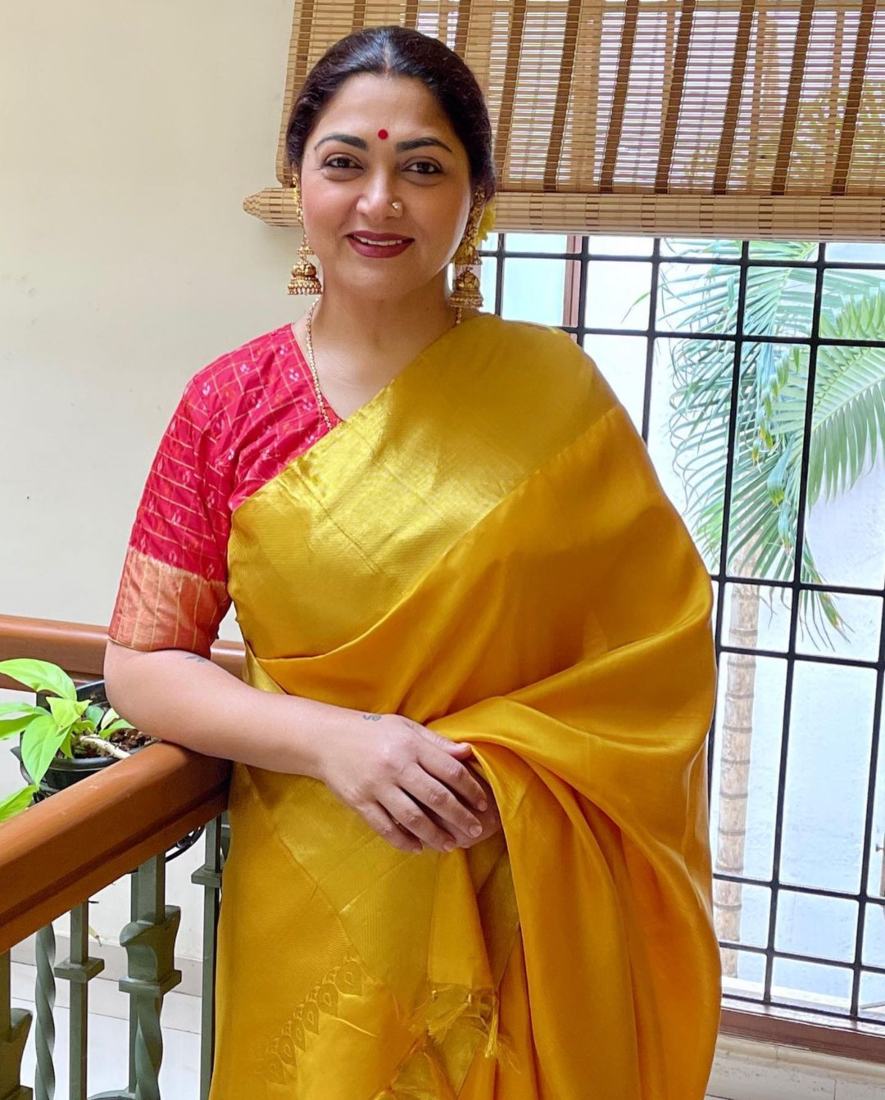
326 733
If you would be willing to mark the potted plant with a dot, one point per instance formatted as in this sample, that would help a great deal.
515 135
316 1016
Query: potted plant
67 734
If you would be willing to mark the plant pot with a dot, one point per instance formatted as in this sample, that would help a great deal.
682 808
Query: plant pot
63 772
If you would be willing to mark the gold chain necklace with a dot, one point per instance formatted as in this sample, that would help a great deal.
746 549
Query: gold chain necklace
311 362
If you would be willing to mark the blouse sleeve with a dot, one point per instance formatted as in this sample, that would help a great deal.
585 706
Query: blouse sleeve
173 589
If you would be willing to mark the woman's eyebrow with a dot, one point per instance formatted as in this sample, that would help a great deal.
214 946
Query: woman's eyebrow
401 146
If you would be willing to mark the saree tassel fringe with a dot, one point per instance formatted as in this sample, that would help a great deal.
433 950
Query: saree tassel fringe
479 1010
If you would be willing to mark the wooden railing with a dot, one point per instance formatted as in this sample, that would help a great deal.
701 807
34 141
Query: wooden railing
58 853
68 847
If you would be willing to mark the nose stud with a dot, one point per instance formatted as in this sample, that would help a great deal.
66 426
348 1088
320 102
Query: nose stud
397 206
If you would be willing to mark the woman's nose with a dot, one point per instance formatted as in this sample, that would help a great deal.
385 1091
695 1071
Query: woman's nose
375 201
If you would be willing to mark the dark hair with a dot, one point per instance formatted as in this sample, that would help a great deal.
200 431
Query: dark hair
400 51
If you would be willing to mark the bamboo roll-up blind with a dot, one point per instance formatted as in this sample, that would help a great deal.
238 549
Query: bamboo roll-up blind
706 118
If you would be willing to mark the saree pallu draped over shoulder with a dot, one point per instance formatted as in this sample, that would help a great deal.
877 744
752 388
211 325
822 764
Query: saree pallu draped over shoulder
484 548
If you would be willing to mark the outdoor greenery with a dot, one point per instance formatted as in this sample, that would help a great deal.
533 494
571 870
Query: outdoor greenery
846 417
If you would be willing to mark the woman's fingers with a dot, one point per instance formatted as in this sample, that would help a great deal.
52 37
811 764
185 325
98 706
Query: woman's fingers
436 796
447 761
412 818
456 776
461 749
377 818
411 786
491 825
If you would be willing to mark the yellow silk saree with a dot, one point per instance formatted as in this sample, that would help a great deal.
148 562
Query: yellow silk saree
484 548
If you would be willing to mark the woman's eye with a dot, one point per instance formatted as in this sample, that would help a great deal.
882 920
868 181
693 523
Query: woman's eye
419 167
332 162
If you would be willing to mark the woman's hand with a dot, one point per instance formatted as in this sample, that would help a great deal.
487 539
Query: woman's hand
407 783
489 818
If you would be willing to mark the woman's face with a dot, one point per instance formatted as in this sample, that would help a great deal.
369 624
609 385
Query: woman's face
381 139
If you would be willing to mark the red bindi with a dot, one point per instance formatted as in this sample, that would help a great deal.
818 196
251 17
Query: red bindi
382 134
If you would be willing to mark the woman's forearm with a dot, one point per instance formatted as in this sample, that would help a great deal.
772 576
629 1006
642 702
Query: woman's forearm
184 698
181 697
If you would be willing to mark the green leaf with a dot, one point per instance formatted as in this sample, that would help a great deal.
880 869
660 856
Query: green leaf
66 711
112 716
16 717
119 724
11 726
93 714
13 710
40 743
17 802
40 676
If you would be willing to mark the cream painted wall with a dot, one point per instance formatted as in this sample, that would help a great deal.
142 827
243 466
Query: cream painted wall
130 134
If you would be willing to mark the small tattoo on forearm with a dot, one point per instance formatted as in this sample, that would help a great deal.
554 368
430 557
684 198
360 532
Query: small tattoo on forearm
373 717
195 657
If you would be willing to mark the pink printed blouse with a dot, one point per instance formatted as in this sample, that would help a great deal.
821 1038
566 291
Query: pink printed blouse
240 421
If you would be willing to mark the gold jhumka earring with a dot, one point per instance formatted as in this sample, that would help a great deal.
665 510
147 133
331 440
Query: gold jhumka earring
304 278
465 289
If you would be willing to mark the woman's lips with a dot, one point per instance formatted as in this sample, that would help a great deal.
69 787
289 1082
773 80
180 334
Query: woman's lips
378 251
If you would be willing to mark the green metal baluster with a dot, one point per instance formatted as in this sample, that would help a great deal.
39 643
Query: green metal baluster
225 837
209 877
133 1015
150 946
15 1023
78 969
149 939
127 1094
44 1033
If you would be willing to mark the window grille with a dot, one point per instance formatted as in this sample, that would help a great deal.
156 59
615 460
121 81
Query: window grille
799 890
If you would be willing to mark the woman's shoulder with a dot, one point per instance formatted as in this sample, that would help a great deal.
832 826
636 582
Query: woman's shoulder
263 371
249 411
538 346
549 359
533 334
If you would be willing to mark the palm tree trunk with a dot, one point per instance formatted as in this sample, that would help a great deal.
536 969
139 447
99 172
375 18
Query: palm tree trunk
734 774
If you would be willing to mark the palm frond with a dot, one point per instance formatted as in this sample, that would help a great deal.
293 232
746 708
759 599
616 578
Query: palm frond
848 414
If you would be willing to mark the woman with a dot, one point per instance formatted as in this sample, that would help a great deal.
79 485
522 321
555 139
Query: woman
469 837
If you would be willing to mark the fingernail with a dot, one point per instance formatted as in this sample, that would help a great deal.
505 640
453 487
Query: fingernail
449 846
475 830
483 805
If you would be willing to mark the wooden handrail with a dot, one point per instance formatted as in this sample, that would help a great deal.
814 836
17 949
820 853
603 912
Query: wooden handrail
64 849
79 647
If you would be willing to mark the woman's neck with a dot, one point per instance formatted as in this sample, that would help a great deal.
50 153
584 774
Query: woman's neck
379 331
364 343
